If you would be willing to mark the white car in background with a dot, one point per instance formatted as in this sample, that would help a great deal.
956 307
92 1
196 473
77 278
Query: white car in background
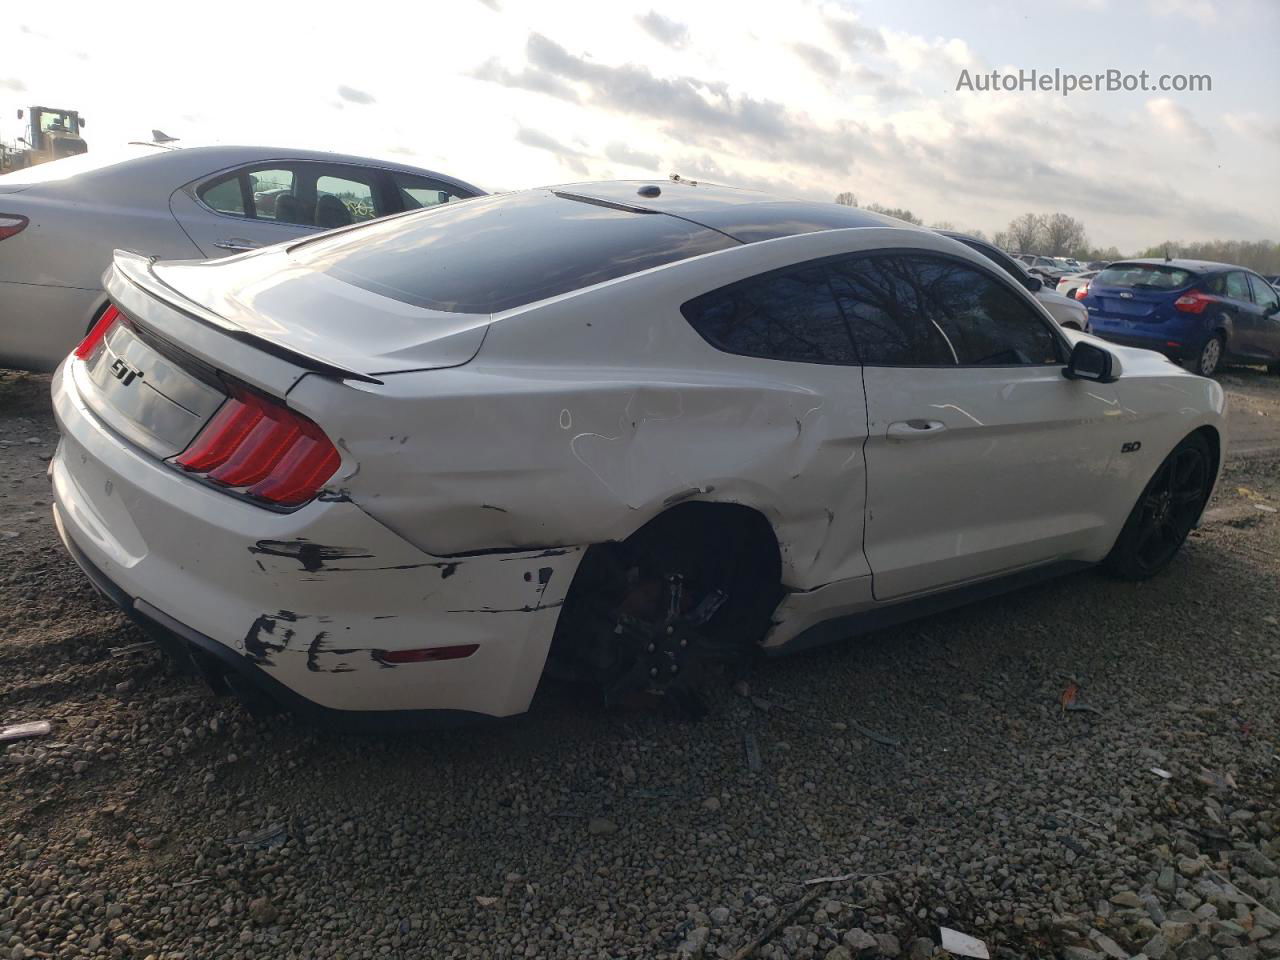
60 221
1076 285
1068 313
619 429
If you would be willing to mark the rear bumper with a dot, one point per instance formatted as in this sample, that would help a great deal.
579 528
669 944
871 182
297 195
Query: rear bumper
305 605
1168 342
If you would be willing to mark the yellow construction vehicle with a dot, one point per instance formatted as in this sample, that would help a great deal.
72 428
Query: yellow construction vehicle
52 133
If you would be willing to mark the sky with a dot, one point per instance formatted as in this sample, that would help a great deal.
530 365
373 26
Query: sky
806 98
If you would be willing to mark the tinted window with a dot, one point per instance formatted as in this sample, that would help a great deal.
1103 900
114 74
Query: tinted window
225 197
274 196
1237 286
1264 295
887 323
918 309
788 315
346 199
416 192
494 253
1144 276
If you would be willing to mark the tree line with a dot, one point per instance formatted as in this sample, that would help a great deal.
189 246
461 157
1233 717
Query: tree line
1062 235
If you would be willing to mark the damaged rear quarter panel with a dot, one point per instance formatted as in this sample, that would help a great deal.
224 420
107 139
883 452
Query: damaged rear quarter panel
583 417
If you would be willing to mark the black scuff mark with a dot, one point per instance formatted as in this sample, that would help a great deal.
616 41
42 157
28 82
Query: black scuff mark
385 616
831 519
311 556
490 506
334 496
262 640
317 647
525 609
544 578
546 552
447 570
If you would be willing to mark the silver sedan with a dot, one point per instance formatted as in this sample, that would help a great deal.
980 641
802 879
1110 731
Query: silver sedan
60 221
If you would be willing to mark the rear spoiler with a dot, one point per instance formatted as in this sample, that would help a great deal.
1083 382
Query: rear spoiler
136 269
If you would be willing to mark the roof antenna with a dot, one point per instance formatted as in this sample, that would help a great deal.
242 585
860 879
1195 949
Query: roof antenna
679 179
1167 258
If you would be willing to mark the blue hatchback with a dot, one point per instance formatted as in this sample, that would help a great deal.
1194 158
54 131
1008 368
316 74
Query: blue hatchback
1193 311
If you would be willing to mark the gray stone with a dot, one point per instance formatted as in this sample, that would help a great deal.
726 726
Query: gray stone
859 942
921 949
1167 882
599 826
1259 865
1157 948
1081 953
1197 948
1128 899
887 945
720 916
839 953
1240 953
1108 946
1177 932
1190 868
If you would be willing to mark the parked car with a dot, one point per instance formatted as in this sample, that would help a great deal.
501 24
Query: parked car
1047 269
1076 285
1193 311
1067 312
60 221
399 466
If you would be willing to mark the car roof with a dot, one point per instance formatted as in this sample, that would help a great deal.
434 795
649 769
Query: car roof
1180 262
745 215
142 163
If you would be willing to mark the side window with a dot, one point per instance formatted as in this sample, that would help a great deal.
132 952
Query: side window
418 192
1238 286
275 197
787 315
888 325
1264 295
271 193
225 196
345 199
923 310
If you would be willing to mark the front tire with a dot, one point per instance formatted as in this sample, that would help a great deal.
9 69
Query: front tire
1165 512
1209 357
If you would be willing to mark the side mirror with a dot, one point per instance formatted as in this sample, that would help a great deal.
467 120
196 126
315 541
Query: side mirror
1033 284
1090 362
82 122
19 114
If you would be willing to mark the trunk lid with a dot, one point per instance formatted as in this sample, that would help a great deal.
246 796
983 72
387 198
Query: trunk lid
1131 304
266 297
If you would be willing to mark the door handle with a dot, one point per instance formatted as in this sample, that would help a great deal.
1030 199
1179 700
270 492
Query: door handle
914 429
239 244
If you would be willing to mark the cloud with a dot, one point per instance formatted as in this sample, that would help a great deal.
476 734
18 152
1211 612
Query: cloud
663 29
539 81
621 153
1254 125
1202 11
569 156
817 59
352 95
703 112
854 36
12 83
1177 119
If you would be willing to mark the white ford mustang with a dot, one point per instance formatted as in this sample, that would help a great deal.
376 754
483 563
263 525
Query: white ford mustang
614 429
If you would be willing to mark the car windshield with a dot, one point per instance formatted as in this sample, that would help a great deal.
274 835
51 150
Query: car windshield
494 253
1144 276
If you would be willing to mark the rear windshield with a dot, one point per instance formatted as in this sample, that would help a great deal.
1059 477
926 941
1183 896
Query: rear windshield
1144 276
493 253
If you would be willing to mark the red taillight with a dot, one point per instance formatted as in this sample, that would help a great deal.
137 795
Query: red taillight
263 448
97 333
1193 302
1082 292
11 224
427 654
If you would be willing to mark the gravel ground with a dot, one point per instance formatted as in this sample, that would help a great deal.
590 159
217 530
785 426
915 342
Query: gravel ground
157 821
